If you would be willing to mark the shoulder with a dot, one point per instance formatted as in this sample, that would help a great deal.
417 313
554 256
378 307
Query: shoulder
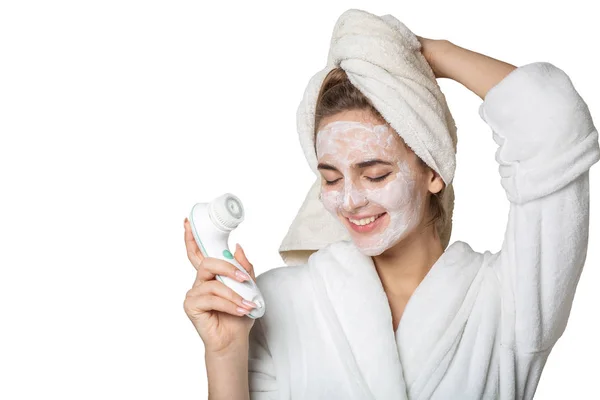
286 291
281 280
460 259
459 250
461 256
278 274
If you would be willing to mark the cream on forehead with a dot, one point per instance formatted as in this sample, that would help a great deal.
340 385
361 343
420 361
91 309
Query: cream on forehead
350 135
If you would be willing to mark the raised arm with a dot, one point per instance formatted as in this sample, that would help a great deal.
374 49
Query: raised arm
476 71
547 144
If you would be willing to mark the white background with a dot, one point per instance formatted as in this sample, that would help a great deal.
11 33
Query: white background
116 117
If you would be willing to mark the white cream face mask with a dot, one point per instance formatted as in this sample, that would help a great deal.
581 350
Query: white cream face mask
344 143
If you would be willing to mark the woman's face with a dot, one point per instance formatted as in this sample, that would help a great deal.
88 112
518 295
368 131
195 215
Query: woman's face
371 181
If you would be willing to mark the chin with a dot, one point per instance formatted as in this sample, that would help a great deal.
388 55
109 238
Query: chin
371 252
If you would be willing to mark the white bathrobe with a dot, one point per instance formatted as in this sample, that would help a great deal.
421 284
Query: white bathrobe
480 325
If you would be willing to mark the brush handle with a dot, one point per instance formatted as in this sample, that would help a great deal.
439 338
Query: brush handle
212 242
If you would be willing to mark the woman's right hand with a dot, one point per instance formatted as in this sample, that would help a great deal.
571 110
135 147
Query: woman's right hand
211 305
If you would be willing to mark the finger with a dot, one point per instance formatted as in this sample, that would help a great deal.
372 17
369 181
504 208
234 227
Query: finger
193 252
194 304
202 275
240 256
219 289
216 266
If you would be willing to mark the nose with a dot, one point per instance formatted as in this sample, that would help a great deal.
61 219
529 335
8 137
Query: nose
353 198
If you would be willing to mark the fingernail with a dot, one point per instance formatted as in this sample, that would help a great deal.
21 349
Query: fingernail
241 276
242 311
249 303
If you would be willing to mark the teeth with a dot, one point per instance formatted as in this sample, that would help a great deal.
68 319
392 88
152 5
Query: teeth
363 221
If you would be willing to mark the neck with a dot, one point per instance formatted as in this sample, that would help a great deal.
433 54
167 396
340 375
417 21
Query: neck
402 267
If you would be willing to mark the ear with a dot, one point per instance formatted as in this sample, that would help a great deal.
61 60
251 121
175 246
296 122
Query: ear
435 181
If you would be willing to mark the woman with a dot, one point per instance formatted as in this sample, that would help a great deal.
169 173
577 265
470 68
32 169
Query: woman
478 325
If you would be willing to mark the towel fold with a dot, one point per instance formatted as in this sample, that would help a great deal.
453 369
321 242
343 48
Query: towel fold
383 59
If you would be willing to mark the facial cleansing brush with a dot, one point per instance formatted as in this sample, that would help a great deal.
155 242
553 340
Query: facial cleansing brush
211 225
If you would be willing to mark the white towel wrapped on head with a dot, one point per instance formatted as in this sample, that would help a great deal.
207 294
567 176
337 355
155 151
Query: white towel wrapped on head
383 59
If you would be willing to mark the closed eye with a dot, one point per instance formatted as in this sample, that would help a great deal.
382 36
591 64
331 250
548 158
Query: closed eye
378 179
331 182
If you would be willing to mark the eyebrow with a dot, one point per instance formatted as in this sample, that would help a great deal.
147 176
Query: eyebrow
359 165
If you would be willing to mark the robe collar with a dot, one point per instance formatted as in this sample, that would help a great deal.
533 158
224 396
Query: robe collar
352 299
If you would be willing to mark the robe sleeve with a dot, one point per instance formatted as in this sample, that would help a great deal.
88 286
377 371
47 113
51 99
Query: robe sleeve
547 144
261 371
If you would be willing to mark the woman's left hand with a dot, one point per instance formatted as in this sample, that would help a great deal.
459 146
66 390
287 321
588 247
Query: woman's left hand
432 50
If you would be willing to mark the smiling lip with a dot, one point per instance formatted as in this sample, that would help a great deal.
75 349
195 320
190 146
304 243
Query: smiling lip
366 228
359 217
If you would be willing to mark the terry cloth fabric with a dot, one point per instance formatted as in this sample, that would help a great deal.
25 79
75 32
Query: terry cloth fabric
383 59
479 325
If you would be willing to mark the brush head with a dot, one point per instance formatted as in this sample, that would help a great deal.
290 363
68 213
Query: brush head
226 211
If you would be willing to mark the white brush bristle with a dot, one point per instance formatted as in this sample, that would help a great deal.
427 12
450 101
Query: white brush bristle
227 211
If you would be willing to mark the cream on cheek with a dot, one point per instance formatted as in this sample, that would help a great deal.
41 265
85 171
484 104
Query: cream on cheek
344 143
